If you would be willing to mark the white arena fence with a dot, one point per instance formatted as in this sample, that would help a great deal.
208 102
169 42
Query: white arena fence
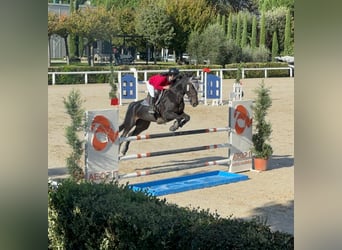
199 72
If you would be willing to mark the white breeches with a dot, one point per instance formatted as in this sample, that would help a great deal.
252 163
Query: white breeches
150 88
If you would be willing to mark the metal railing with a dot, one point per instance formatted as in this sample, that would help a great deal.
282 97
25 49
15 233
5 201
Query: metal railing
218 72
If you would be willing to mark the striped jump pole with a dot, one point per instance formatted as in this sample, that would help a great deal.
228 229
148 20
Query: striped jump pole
170 134
170 169
173 151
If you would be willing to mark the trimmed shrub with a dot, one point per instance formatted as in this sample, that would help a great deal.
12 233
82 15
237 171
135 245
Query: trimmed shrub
109 216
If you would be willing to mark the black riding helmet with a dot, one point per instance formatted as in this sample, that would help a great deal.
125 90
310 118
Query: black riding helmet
173 71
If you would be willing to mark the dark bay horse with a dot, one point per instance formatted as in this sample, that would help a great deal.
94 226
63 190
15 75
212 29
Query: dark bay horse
170 107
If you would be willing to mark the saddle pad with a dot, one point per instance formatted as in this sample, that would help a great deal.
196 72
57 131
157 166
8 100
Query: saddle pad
145 103
187 182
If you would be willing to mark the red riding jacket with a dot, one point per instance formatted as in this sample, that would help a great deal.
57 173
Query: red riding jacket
159 81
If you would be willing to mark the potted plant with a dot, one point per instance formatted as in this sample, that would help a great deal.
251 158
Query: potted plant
113 91
261 149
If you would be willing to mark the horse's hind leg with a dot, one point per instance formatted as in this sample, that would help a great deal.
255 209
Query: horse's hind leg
123 145
140 126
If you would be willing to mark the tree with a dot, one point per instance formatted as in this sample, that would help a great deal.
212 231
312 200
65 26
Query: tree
195 46
230 52
221 51
287 40
52 23
275 20
254 33
275 47
244 32
262 38
187 16
212 53
238 30
263 128
63 30
224 23
230 27
156 25
74 38
219 19
224 6
93 24
266 5
125 22
73 106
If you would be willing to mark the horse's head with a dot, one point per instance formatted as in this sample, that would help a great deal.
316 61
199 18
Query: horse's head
184 85
191 92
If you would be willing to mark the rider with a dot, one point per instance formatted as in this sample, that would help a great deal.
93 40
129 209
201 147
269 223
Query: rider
157 83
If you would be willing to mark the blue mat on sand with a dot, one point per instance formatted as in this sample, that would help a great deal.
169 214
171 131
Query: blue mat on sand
188 182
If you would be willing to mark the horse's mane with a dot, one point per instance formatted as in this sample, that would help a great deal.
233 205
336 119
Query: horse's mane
177 80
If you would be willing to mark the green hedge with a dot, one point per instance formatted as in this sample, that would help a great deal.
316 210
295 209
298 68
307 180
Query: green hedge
258 73
78 79
104 78
109 216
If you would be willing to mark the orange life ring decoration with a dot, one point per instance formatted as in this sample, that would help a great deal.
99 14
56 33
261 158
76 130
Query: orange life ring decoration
241 113
101 124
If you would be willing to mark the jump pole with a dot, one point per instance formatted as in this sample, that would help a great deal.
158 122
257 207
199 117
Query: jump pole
170 169
173 151
170 134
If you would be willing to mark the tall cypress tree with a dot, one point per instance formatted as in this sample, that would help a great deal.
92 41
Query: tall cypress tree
238 30
230 26
275 46
287 39
73 105
254 32
218 19
224 23
244 32
262 38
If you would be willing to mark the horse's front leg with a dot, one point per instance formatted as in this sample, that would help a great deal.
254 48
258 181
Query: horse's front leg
180 121
184 119
174 126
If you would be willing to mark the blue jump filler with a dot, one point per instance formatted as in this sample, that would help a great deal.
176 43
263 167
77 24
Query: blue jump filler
188 182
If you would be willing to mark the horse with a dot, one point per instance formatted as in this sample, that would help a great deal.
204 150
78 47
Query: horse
169 107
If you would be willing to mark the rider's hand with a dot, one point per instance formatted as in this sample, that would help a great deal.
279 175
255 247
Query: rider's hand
166 87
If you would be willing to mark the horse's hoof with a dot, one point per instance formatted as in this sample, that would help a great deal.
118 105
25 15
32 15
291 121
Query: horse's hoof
173 128
160 120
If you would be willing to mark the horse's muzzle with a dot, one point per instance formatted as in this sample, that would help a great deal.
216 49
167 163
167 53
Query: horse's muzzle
194 104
